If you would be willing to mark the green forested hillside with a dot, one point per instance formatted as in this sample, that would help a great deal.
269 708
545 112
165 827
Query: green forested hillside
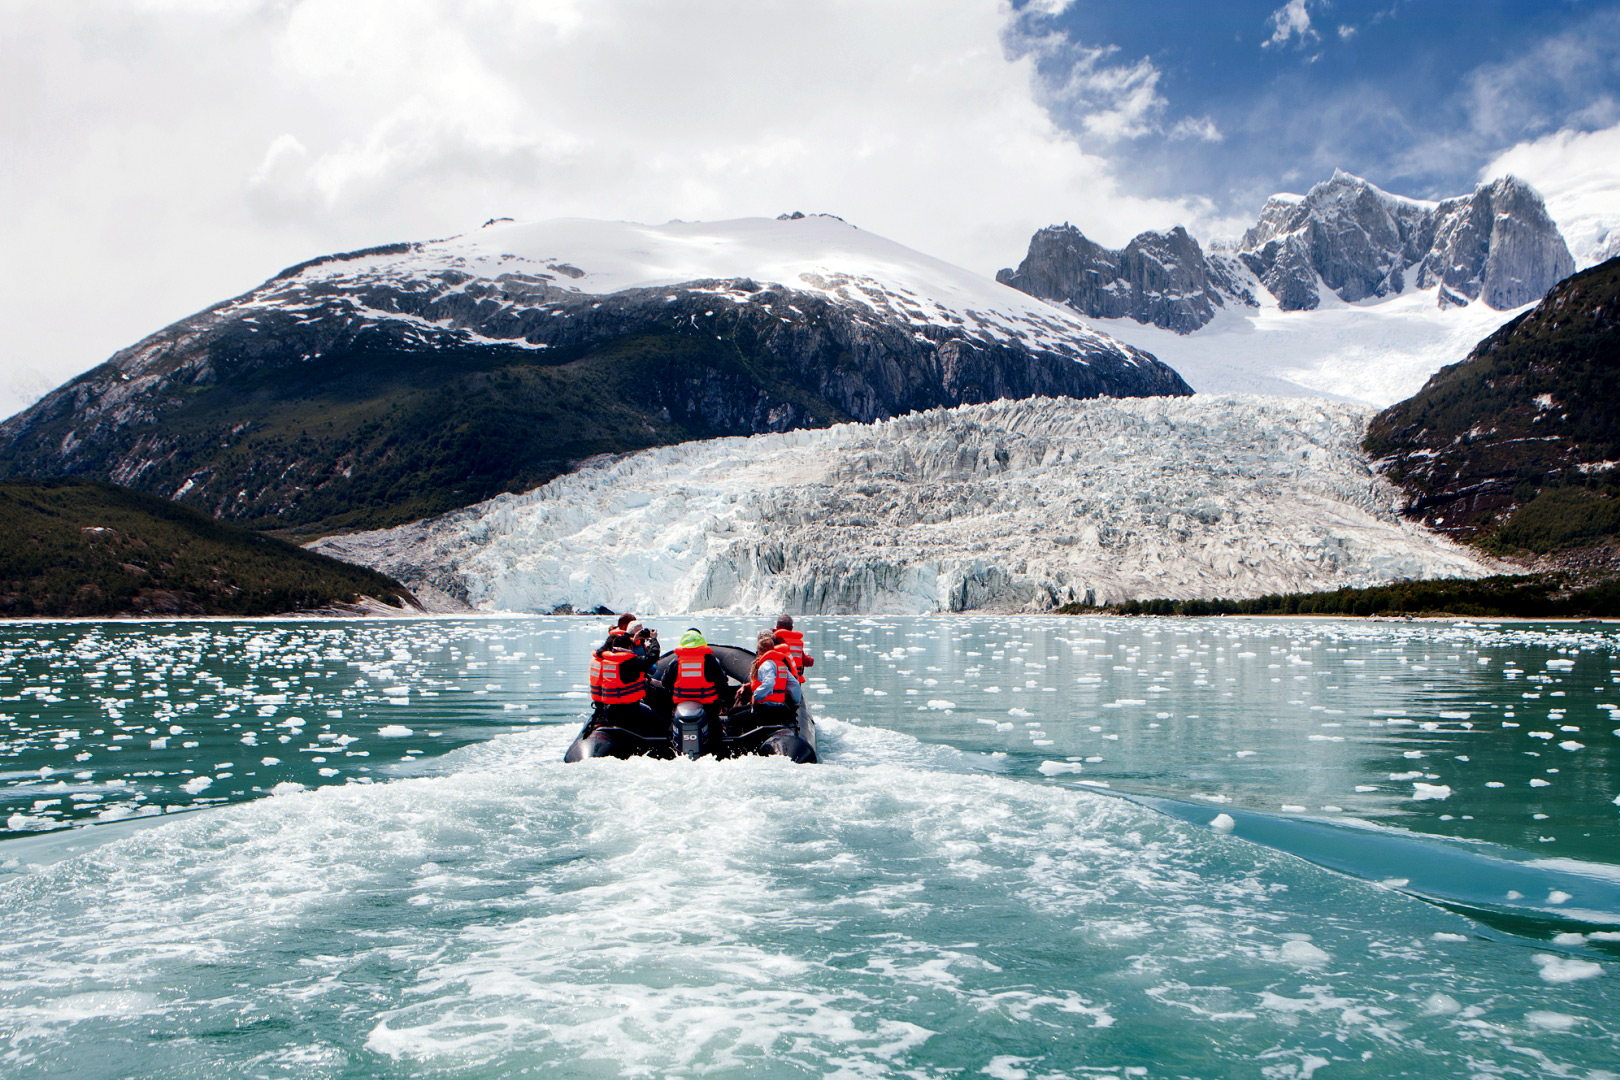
1531 596
72 547
1517 446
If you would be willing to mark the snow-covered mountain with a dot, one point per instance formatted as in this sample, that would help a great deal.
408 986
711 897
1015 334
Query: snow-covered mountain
1346 290
507 282
385 384
1497 245
1010 506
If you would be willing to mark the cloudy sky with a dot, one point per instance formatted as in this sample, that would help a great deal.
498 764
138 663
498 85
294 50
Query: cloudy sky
159 155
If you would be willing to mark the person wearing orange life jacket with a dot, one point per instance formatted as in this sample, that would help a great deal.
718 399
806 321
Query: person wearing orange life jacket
776 692
794 641
697 676
619 686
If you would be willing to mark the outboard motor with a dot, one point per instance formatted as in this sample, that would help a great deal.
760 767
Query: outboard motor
690 729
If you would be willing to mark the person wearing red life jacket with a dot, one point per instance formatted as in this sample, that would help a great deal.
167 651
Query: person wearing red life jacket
794 641
774 689
619 684
697 676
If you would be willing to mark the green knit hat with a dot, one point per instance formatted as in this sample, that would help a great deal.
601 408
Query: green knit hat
692 639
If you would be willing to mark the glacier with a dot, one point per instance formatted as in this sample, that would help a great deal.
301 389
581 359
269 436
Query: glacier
1005 506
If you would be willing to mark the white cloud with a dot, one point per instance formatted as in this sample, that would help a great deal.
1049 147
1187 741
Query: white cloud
167 154
1288 22
1196 127
1577 175
1088 89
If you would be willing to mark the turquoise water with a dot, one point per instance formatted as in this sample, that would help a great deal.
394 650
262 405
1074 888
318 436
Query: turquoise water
1037 847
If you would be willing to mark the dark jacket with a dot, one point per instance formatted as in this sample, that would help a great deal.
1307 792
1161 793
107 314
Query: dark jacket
640 664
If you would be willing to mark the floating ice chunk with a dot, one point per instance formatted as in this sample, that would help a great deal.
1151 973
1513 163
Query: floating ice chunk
1571 745
270 761
397 691
161 743
329 772
1560 665
1441 935
1058 768
1404 775
1565 969
1015 711
1302 953
1362 789
1494 784
1558 896
1421 791
197 784
1222 823
1442 1004
1538 782
1292 808
394 731
941 703
287 787
1550 1021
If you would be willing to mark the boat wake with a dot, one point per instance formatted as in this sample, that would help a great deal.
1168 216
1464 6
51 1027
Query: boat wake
880 914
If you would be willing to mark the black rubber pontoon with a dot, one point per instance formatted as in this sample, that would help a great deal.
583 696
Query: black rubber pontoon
689 734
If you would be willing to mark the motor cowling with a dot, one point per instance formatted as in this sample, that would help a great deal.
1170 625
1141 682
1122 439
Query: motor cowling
690 729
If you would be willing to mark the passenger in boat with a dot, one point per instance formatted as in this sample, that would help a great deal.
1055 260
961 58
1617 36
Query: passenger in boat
697 676
619 685
776 693
643 639
644 642
794 640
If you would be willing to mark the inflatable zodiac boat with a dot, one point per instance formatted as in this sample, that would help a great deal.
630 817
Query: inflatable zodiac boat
689 733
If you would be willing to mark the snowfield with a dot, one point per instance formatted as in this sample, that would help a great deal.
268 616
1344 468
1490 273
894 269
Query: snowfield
1012 505
1375 352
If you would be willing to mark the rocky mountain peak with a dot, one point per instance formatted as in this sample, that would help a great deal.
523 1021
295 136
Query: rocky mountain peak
1163 278
1345 236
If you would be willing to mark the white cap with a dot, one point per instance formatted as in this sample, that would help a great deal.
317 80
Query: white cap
634 628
